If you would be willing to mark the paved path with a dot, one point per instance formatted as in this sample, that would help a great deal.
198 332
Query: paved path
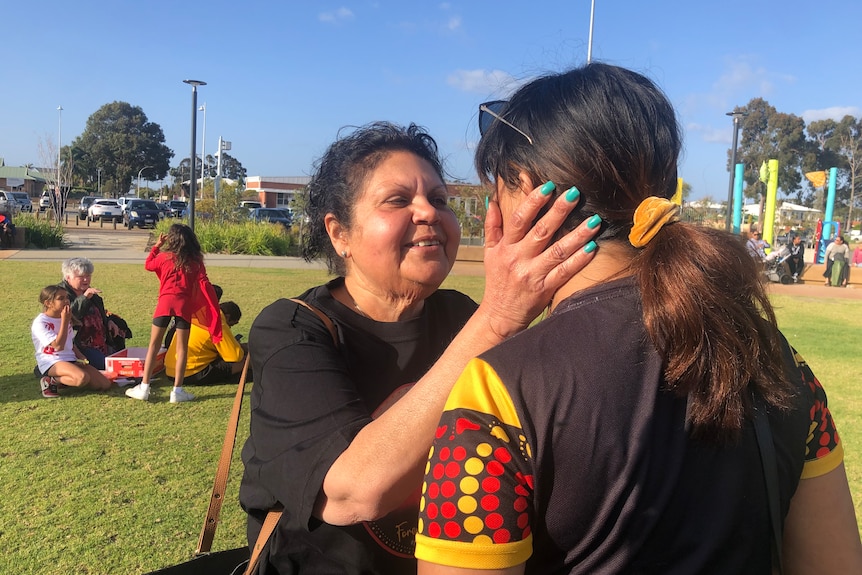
109 245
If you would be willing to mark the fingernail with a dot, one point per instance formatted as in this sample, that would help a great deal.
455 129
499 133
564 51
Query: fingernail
590 247
573 194
547 188
594 221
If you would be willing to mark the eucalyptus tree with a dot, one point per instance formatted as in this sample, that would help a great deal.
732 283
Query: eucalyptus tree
120 139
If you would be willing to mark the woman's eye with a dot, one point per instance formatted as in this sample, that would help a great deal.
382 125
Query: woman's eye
439 202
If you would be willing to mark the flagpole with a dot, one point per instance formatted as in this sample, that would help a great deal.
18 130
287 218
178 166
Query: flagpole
590 41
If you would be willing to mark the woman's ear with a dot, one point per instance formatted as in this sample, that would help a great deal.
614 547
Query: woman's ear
337 233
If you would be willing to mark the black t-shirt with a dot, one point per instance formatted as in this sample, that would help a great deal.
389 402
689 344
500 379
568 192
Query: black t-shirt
563 448
309 401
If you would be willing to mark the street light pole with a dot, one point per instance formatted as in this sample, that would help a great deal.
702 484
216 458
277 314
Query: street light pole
139 179
58 193
100 181
737 116
192 183
590 41
203 109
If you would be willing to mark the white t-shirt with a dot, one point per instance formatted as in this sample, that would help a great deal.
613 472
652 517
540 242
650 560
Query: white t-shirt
43 331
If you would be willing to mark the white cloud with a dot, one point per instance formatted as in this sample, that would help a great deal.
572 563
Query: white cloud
454 23
482 81
711 134
340 15
832 113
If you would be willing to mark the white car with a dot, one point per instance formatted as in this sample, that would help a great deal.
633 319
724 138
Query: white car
105 209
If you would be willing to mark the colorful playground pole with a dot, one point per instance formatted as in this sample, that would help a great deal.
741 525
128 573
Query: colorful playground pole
827 216
677 196
830 203
737 198
769 208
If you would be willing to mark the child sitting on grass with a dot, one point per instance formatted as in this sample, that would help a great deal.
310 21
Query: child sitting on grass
56 355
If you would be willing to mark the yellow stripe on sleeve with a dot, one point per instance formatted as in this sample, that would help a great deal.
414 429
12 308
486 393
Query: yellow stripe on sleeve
825 464
479 389
475 555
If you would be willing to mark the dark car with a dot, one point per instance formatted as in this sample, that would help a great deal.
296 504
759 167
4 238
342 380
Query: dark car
84 206
141 213
271 215
177 207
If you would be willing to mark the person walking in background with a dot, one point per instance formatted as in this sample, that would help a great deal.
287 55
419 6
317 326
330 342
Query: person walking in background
620 434
184 292
796 260
57 358
98 334
836 257
856 261
207 362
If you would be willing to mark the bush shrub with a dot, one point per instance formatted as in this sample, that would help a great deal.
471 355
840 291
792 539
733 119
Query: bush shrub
249 238
40 233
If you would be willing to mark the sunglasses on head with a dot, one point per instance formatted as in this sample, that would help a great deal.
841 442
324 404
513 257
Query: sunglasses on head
491 111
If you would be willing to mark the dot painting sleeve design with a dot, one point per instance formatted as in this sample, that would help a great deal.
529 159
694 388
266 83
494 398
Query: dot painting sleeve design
476 507
823 449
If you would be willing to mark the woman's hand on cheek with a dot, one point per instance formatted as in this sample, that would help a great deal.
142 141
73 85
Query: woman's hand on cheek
523 269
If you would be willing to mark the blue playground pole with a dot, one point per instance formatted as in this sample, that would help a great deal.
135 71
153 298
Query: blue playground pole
827 216
737 198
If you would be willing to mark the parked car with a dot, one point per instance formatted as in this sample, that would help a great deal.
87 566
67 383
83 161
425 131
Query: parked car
8 204
23 201
105 209
163 207
272 215
249 204
177 207
141 213
45 201
84 206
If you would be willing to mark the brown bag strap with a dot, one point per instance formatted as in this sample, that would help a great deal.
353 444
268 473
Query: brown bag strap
266 530
323 317
223 470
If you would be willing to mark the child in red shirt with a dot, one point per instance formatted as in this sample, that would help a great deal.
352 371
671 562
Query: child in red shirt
186 294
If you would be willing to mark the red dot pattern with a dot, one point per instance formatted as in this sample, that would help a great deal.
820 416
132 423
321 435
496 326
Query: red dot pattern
466 447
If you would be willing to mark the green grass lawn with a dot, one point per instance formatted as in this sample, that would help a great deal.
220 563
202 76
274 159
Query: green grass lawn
95 483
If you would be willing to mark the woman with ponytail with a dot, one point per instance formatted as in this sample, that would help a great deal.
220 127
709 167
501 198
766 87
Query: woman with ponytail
618 435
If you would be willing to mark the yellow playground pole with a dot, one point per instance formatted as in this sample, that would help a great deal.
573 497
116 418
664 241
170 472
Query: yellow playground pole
769 208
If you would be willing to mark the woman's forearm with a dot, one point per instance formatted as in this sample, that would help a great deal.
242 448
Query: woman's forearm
390 452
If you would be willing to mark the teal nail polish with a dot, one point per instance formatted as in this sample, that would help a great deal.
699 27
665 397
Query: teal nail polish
573 194
590 247
547 188
594 221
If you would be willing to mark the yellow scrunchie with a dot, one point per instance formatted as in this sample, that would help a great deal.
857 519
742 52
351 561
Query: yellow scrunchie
650 216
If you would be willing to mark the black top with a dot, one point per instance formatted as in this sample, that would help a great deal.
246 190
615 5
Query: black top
309 401
581 460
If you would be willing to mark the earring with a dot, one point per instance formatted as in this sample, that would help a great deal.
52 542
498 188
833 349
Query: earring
343 253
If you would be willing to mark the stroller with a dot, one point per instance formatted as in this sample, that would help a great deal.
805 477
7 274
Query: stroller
775 266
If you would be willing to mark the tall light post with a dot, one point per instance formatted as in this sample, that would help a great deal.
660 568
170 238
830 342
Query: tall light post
737 117
192 182
139 179
203 109
590 41
58 193
99 170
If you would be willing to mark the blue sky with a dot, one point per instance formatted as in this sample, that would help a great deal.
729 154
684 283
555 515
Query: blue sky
283 77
